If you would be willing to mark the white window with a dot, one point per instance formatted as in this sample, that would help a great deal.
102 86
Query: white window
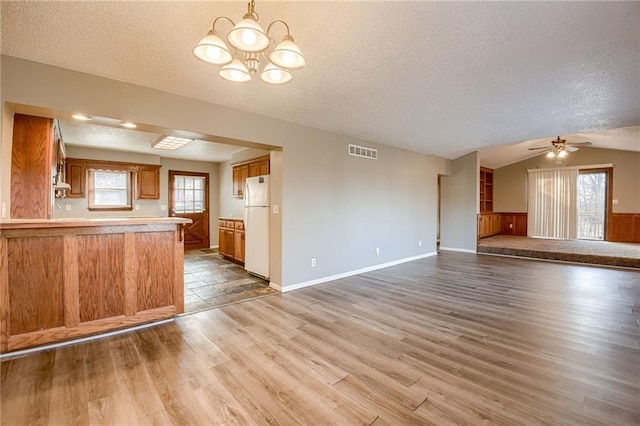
188 194
109 190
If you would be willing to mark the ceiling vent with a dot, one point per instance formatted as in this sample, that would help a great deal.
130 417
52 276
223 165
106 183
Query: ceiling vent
364 152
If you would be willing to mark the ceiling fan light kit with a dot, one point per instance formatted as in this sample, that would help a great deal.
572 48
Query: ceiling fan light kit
560 148
250 44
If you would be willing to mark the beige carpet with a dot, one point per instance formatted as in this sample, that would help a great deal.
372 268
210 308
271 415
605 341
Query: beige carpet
583 251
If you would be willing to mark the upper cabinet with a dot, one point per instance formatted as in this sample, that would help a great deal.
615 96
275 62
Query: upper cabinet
241 171
33 167
486 190
74 173
148 182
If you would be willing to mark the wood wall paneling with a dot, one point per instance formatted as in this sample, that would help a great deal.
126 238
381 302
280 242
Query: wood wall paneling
155 277
71 283
36 284
624 228
101 276
31 167
514 223
4 297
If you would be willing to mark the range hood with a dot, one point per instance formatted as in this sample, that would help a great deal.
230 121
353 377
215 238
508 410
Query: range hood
61 185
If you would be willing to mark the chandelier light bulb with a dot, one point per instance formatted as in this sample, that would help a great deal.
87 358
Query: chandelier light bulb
551 154
213 50
236 71
287 54
562 154
248 36
274 75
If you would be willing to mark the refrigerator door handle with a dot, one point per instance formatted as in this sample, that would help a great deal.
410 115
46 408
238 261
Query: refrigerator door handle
246 206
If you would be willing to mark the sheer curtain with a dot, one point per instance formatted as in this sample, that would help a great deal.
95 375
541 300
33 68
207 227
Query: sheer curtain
552 203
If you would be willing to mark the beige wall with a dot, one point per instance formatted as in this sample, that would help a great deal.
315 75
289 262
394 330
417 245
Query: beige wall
510 182
460 204
335 207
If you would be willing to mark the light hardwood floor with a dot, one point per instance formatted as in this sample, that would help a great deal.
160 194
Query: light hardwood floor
453 339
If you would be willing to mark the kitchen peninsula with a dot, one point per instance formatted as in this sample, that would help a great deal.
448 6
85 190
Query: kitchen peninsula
66 278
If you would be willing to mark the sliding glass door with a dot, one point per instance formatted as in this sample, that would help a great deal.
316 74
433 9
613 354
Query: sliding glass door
592 204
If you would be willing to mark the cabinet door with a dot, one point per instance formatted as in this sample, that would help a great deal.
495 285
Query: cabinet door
228 241
75 175
32 167
263 167
240 174
238 246
148 183
254 169
222 242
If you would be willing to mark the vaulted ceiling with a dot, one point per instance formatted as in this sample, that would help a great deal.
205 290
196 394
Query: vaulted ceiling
443 78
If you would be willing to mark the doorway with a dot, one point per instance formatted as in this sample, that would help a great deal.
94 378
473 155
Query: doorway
592 204
189 199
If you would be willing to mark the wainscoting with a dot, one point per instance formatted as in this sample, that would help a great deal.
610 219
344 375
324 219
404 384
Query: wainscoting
624 228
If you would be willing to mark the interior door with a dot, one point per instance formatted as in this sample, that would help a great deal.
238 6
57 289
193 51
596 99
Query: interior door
189 198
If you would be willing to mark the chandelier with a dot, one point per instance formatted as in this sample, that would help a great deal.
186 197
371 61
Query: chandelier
250 43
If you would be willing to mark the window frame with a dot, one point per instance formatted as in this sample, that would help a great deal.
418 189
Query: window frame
111 168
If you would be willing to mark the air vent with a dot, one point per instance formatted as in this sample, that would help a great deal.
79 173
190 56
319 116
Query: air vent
364 152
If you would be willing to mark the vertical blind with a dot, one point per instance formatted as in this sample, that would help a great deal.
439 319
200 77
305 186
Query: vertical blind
552 203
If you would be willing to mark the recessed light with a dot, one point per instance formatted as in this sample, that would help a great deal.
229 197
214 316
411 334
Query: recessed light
170 142
81 117
128 124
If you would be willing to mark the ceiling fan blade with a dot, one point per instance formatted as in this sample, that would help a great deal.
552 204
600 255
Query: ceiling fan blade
540 147
571 148
578 144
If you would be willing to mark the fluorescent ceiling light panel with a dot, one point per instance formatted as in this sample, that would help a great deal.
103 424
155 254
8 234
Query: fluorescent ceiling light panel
170 142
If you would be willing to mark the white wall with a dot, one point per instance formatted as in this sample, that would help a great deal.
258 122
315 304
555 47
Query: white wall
460 204
335 208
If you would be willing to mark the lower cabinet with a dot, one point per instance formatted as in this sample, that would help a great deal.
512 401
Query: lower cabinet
489 224
231 239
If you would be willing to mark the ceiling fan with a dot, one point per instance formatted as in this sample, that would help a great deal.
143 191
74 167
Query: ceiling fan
560 147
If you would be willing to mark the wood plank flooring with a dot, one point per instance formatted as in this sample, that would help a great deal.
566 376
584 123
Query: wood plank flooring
453 339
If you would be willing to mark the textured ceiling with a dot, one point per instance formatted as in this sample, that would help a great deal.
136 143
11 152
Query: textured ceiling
442 78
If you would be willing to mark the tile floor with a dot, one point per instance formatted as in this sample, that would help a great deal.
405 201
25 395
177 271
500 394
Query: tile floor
211 281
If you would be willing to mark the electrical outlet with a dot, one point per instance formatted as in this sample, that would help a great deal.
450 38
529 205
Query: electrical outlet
67 207
163 207
275 209
614 201
377 250
511 226
313 262
137 207
420 243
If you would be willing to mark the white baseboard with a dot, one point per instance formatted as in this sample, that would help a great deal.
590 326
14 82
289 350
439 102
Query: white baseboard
350 273
214 247
461 250
275 286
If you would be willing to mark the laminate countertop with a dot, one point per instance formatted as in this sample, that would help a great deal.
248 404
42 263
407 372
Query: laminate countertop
88 222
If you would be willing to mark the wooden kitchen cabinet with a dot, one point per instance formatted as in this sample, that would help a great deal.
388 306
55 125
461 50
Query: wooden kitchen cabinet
231 239
32 167
148 182
240 174
241 171
76 176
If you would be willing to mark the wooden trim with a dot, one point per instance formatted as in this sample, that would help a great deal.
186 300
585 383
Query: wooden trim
42 337
4 297
178 268
130 274
71 293
242 163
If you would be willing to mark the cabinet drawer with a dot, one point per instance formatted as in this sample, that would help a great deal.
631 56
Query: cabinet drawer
239 225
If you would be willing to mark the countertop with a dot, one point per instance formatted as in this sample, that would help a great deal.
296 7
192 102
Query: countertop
230 218
88 222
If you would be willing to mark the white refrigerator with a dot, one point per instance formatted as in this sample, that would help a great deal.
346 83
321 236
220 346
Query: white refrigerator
256 225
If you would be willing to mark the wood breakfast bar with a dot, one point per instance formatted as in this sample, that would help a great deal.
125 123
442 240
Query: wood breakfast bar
66 278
